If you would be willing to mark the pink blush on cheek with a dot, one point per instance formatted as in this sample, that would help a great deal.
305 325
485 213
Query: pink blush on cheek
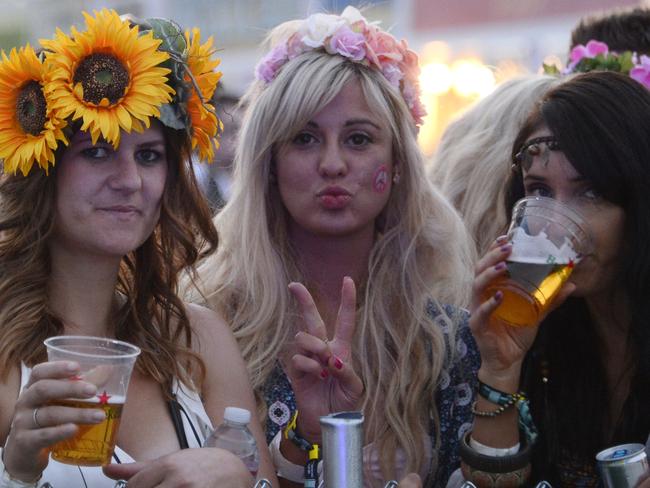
380 181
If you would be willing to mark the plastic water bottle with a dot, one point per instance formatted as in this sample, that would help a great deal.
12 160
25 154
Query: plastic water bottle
233 435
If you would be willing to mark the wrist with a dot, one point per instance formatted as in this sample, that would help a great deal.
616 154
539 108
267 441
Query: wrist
293 453
9 481
506 380
298 436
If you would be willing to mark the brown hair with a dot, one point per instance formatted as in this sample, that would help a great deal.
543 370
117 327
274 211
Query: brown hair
152 315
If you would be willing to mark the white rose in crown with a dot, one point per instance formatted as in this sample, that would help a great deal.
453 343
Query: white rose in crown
352 15
319 27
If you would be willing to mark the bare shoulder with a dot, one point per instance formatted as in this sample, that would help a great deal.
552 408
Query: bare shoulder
9 389
210 329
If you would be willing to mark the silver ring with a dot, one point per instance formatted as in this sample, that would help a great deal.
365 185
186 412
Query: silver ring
35 418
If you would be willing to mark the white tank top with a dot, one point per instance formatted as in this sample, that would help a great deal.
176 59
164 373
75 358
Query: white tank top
196 423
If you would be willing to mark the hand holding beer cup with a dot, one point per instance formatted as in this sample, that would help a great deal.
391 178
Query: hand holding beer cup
37 424
522 277
106 364
548 239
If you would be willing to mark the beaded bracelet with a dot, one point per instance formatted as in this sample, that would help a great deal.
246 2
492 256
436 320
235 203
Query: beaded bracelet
493 413
505 400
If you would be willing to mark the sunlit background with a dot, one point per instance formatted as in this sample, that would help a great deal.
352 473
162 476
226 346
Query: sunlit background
466 47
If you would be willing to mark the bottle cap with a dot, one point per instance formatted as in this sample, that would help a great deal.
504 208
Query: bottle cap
237 415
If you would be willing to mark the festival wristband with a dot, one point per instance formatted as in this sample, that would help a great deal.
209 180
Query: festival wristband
291 434
285 468
492 451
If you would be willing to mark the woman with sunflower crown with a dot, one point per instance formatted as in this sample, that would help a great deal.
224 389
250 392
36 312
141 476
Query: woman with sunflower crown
100 211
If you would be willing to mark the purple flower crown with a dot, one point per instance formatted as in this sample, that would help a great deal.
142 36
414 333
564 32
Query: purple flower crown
596 56
350 35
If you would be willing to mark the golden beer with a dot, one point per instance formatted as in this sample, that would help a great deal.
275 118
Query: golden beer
94 443
528 289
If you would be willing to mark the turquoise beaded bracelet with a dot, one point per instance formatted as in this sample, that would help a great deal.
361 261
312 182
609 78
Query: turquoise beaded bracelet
505 400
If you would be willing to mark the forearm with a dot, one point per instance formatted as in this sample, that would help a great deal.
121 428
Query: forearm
501 431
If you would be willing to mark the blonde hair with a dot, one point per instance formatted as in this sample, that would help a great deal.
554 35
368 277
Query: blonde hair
420 255
472 162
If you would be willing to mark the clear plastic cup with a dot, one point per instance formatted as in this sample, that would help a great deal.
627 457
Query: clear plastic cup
106 363
548 239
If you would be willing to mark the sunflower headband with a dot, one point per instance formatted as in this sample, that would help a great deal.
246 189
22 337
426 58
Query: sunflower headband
113 76
596 56
350 35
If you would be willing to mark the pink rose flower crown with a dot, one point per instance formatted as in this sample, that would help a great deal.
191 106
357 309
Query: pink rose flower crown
596 56
350 35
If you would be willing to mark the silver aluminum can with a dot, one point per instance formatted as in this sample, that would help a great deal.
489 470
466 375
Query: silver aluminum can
623 466
342 449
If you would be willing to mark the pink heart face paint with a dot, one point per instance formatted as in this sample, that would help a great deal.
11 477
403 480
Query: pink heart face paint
380 182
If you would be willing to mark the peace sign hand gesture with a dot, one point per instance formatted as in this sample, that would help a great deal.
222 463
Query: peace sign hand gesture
320 370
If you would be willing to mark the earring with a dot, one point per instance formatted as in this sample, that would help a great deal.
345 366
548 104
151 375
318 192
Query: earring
396 177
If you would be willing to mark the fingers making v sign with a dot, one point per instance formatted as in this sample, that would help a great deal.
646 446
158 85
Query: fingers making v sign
320 369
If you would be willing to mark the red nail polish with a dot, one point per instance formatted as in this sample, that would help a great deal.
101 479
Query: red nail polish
324 374
338 363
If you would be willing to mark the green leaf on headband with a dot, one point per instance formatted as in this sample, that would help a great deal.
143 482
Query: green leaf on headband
171 116
626 61
171 34
550 69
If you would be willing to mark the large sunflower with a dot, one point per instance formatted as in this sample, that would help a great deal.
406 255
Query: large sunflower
29 132
202 116
108 76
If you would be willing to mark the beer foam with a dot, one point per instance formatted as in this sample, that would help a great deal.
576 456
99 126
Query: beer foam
540 249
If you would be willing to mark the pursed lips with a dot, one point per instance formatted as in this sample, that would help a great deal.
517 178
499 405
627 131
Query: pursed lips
334 197
334 191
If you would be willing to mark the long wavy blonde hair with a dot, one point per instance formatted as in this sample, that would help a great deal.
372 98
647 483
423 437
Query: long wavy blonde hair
152 315
472 162
420 254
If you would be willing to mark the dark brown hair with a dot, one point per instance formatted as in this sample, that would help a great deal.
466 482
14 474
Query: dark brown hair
601 121
621 30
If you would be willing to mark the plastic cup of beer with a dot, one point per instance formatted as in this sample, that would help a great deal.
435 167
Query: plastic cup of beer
548 239
106 363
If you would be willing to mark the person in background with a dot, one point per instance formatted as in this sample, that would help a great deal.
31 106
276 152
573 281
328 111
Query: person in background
614 41
472 162
585 369
99 213
621 29
340 268
216 178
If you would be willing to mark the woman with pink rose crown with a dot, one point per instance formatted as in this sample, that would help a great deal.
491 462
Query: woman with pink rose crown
341 269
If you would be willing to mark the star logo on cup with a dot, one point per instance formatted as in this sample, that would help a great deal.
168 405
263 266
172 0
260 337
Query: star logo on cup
103 398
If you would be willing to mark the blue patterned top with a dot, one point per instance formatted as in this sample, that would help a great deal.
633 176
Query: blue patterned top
456 387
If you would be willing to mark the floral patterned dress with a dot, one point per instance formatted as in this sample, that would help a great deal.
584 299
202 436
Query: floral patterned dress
456 386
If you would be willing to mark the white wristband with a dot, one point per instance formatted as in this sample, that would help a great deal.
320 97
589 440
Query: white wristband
6 481
492 451
285 468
